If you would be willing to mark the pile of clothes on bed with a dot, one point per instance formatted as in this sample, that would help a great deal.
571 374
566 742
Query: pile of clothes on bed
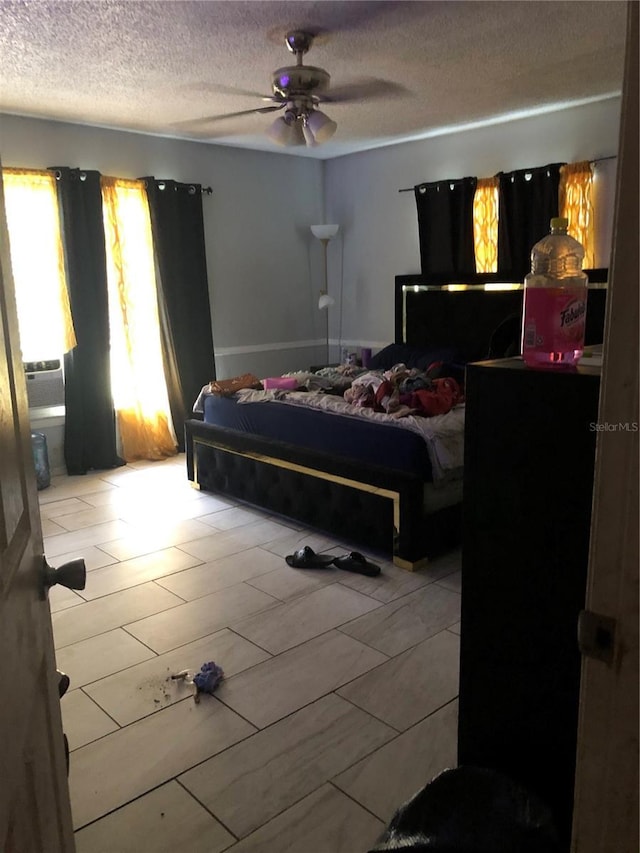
404 391
399 392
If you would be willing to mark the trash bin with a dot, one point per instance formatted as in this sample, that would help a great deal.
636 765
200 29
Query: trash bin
471 810
41 459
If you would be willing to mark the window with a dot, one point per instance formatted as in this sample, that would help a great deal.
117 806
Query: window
485 224
37 260
575 203
46 329
137 375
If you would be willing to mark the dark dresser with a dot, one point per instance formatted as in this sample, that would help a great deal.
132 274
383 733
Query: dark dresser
529 463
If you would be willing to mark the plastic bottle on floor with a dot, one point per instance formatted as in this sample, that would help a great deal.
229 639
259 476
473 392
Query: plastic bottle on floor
555 301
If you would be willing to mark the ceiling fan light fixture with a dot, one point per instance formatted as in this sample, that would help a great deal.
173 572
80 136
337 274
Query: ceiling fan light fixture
297 134
321 126
279 131
309 138
299 90
285 131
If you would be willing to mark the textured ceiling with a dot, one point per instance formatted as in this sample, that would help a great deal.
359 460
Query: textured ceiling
159 67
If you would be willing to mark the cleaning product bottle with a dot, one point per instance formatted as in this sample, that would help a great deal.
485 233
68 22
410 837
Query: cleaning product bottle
555 301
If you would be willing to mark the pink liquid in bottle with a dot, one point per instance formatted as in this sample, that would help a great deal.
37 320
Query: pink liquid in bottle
555 302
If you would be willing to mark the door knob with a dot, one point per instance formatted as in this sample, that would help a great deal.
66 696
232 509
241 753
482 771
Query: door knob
73 575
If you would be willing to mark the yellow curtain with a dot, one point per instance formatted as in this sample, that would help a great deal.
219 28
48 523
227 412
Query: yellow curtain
137 376
37 260
575 202
485 224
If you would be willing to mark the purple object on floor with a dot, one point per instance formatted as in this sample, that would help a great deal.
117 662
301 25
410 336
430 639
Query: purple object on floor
209 677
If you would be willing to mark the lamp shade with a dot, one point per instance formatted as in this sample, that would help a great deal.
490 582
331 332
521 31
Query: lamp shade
308 136
284 132
279 131
321 126
324 232
324 300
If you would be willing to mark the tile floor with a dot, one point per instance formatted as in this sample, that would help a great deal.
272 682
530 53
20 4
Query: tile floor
339 696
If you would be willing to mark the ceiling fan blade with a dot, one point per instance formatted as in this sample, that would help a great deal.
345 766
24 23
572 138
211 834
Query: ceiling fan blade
364 90
221 89
195 123
260 110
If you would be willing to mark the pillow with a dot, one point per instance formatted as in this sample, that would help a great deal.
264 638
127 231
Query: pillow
412 356
287 383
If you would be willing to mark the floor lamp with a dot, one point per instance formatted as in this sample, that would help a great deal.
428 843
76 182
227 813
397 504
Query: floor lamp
324 233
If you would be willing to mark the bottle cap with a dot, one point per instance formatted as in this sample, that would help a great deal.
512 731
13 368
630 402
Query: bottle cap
559 222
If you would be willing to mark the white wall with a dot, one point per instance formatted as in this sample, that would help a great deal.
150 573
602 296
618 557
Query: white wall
264 266
379 231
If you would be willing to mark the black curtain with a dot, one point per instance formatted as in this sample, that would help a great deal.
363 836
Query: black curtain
445 226
528 199
90 427
183 293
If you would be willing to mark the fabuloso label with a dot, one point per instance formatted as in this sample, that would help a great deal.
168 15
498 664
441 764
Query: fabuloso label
554 318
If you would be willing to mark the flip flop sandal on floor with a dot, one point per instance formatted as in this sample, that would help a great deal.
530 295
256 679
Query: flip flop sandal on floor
355 562
306 558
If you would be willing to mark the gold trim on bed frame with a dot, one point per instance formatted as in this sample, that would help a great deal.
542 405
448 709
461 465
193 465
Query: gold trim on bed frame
320 475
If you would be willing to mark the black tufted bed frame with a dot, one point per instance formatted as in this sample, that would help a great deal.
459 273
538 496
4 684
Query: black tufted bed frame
379 508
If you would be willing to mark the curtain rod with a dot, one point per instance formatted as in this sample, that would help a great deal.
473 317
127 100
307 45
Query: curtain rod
192 187
58 175
595 160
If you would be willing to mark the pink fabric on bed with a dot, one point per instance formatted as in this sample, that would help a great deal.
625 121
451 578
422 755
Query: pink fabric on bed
286 382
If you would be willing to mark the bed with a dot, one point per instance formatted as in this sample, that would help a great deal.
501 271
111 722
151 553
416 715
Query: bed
360 479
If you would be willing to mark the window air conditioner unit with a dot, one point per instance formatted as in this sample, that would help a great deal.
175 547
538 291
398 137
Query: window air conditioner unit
45 383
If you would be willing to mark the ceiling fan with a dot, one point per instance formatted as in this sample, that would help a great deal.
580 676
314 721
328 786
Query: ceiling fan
299 90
